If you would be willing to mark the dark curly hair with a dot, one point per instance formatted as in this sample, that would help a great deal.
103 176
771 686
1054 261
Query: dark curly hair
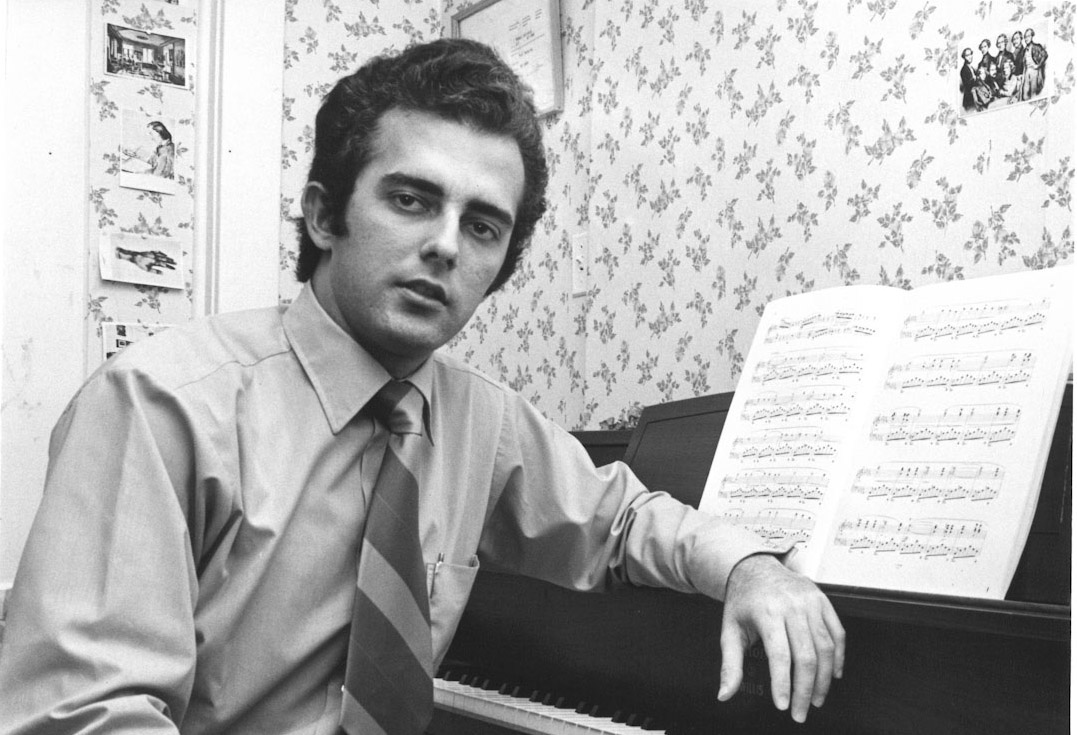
458 79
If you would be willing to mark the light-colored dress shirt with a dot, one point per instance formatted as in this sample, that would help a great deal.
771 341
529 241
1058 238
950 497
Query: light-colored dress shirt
192 566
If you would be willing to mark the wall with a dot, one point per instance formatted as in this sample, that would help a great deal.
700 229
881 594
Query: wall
43 255
63 192
712 157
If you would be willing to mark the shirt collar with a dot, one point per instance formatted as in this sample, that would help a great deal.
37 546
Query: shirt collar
344 375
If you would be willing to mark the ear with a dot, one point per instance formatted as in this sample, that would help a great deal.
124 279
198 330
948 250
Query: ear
316 215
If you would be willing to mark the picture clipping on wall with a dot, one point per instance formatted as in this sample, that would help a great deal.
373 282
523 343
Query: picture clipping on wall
133 258
150 56
148 153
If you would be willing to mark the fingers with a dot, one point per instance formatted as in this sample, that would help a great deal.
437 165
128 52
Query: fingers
779 657
805 655
806 666
837 635
733 648
800 631
824 660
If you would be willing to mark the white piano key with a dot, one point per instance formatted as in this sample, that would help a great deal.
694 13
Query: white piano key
534 718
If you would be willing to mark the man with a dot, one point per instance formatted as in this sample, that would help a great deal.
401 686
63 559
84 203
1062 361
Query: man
1035 60
968 81
193 564
1002 71
1017 44
986 59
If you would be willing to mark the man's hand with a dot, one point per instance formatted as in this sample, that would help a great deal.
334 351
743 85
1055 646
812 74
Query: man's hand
151 261
801 633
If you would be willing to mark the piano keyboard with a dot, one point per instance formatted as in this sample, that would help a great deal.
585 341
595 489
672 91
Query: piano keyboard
523 715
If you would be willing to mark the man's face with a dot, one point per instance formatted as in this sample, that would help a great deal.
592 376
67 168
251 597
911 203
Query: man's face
1001 43
427 229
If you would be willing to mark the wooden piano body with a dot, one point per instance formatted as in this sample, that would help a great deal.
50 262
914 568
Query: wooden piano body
919 664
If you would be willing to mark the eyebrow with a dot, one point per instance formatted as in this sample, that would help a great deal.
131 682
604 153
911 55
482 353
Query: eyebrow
426 186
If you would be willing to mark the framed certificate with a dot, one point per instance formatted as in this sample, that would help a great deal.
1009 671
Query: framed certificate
527 34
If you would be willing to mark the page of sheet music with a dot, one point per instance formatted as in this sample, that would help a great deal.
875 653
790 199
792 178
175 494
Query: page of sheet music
893 436
799 405
945 484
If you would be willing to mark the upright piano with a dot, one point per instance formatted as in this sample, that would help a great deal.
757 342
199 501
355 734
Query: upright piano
530 657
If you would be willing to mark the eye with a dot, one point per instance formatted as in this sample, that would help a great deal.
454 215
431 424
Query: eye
484 231
408 201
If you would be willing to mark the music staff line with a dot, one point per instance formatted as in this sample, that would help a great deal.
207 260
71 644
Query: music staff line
1001 368
926 538
804 403
812 364
818 326
797 442
974 320
792 483
778 526
943 482
963 424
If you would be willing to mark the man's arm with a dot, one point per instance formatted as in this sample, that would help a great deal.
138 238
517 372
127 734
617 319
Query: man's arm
100 634
801 633
562 520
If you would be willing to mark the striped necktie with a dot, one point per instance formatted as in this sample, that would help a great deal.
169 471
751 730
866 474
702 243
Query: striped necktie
388 686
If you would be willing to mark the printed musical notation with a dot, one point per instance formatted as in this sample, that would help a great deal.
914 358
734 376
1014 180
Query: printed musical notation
926 538
943 482
1001 368
800 442
804 403
987 424
797 483
808 364
817 326
973 320
778 526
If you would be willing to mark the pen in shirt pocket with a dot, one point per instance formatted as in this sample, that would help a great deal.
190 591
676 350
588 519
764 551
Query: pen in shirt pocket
434 572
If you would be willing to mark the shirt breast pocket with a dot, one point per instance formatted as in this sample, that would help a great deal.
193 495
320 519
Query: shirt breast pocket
449 586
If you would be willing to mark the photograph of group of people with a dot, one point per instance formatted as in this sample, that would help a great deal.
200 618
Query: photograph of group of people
1009 70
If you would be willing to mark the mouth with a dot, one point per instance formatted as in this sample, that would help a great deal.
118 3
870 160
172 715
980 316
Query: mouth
427 290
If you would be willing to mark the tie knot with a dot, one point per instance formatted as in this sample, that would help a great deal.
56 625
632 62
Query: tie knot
391 406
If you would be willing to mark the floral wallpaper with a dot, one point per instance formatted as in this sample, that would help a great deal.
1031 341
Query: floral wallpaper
122 101
711 157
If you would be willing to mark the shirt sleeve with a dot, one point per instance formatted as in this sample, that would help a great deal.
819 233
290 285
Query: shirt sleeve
100 633
561 519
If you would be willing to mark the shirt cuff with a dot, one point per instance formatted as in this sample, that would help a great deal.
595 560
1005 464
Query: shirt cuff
719 546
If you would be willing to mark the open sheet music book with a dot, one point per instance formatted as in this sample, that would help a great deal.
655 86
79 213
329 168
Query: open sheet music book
899 437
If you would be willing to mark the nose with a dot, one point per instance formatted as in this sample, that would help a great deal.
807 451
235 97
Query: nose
441 242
